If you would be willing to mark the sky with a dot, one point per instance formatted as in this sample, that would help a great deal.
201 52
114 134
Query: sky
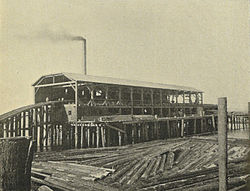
199 43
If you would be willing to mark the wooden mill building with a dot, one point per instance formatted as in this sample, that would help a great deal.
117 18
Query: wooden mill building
85 96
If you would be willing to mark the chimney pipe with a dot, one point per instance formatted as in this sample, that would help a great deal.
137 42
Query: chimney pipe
84 57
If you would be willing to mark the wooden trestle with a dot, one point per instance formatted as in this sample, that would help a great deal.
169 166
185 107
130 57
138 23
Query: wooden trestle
47 124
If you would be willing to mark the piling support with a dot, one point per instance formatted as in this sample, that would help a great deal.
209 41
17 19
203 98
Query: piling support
222 140
97 136
182 127
249 118
16 155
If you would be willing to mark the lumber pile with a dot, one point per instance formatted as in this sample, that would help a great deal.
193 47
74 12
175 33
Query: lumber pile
68 176
157 165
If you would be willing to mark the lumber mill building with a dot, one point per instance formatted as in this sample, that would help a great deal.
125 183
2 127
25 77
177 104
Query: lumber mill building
79 111
85 96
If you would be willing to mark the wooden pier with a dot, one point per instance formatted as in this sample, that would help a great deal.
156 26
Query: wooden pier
46 123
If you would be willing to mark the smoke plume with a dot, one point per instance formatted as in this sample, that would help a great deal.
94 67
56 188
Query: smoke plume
52 35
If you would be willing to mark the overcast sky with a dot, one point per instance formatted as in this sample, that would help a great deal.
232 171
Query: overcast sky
202 44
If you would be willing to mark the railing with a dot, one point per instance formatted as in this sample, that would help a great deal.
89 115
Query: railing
42 121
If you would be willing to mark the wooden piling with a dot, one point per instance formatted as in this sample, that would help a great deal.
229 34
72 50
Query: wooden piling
249 118
168 129
97 136
16 156
222 140
213 122
119 138
103 136
182 127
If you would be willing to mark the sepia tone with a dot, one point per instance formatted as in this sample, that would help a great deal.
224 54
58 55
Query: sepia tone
124 95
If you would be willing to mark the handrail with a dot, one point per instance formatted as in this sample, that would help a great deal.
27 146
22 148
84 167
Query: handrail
24 108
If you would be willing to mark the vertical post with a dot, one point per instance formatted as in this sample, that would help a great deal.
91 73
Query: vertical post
168 129
152 101
195 126
213 122
76 135
85 56
88 137
82 136
142 101
222 139
161 103
132 101
119 138
182 127
103 136
97 136
248 118
120 100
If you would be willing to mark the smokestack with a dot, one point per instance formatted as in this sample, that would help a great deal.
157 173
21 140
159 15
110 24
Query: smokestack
84 57
84 52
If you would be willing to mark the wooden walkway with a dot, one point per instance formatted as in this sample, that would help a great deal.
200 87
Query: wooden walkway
48 125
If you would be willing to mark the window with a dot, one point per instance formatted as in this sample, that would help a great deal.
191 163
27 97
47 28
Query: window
69 112
98 93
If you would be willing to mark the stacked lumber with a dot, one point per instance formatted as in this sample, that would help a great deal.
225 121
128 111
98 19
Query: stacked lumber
68 176
157 165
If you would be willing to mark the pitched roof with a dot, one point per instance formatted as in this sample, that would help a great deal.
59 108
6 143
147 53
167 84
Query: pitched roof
117 81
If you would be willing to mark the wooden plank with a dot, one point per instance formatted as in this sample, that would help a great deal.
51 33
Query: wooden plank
115 128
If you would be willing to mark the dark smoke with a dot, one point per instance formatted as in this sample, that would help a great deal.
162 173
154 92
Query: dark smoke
51 35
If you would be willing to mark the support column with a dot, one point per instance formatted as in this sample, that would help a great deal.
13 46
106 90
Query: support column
120 100
152 101
222 139
182 127
132 101
161 104
106 95
142 101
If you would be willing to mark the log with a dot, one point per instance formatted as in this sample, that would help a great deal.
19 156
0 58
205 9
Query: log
137 175
170 160
16 155
163 161
148 170
156 166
